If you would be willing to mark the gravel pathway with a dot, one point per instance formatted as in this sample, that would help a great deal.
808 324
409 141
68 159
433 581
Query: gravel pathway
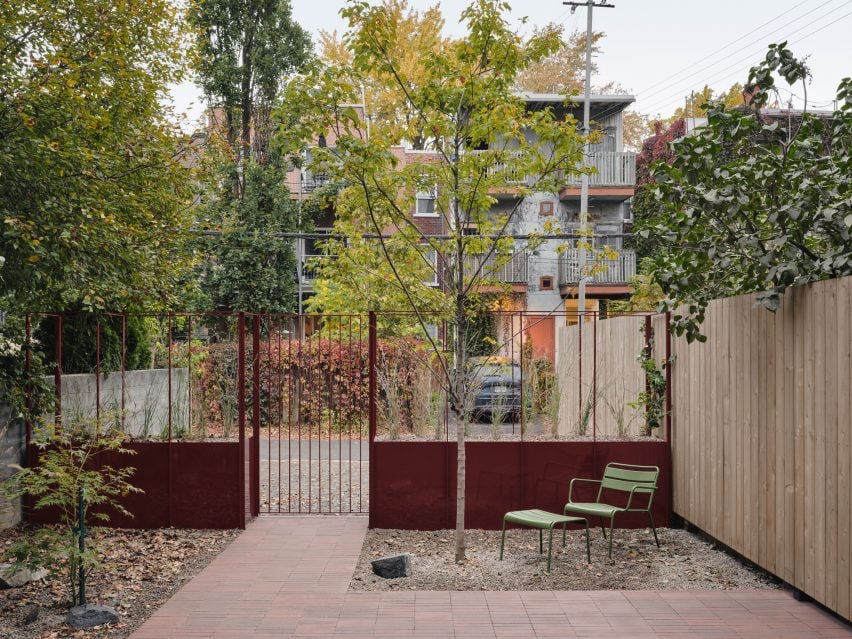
685 561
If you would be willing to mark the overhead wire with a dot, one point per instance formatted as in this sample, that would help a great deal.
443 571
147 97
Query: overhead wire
739 63
698 70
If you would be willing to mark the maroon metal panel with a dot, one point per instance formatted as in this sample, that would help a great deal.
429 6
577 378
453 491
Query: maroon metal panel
414 492
413 482
203 495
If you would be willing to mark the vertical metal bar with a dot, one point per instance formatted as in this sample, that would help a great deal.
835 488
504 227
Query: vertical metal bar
595 378
169 356
372 412
189 374
280 416
350 412
647 354
255 416
340 414
330 392
269 407
28 425
241 410
292 326
580 364
299 385
512 358
57 375
97 375
523 390
123 368
361 413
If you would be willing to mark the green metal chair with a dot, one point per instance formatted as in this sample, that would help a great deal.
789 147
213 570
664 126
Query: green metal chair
624 478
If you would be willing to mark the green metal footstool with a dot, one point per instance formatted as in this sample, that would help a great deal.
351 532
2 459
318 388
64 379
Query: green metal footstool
542 519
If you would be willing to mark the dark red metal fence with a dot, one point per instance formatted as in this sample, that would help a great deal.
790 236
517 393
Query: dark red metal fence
331 414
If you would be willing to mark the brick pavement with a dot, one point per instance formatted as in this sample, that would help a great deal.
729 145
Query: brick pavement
289 576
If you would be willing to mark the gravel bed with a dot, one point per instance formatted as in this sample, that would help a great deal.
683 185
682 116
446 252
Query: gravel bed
139 571
684 561
314 486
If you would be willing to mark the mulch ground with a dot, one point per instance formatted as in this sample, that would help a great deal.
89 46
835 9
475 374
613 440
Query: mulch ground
684 561
139 571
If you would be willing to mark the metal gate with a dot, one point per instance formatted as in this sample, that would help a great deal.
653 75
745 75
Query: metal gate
309 405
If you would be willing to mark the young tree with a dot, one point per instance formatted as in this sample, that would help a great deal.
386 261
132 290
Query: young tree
245 51
415 37
753 204
464 101
92 186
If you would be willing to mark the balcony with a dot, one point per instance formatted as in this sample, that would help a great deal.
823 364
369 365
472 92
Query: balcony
614 168
311 268
310 182
498 269
617 271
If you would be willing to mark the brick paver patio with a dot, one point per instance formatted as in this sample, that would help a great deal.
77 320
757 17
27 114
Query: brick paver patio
288 576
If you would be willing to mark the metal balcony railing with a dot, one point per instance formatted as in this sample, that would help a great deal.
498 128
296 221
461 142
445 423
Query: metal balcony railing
312 266
496 268
613 168
599 270
313 181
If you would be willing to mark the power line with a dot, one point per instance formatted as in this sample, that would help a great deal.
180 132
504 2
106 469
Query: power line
731 43
738 64
752 45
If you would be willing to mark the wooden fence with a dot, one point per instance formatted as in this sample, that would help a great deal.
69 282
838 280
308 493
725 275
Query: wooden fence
761 426
600 377
762 439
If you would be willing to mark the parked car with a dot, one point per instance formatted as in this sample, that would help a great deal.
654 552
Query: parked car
496 386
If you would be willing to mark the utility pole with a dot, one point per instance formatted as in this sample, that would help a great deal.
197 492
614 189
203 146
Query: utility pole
584 178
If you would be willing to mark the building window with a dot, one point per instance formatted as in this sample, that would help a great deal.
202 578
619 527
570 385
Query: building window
432 331
545 208
627 210
432 277
546 283
425 206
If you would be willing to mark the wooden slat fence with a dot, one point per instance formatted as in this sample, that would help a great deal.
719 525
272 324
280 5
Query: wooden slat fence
762 435
599 377
761 425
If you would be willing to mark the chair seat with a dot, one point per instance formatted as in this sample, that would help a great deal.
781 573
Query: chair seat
536 518
594 509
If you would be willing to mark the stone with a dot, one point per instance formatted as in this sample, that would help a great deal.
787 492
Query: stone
393 567
11 578
91 615
30 615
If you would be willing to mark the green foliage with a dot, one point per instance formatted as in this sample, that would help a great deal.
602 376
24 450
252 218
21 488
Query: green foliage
250 267
752 204
244 52
646 294
70 461
93 189
653 398
80 339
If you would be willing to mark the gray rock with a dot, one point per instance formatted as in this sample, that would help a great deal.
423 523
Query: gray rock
30 615
393 567
11 578
91 615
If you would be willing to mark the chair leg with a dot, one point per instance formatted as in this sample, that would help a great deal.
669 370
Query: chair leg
564 527
603 529
611 528
503 540
653 528
588 549
540 541
549 547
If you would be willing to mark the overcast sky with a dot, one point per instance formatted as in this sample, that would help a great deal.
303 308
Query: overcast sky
660 50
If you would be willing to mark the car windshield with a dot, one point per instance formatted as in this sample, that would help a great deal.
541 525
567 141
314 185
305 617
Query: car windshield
498 370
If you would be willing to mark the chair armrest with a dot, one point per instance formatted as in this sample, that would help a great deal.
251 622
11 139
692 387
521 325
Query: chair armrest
571 486
640 489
